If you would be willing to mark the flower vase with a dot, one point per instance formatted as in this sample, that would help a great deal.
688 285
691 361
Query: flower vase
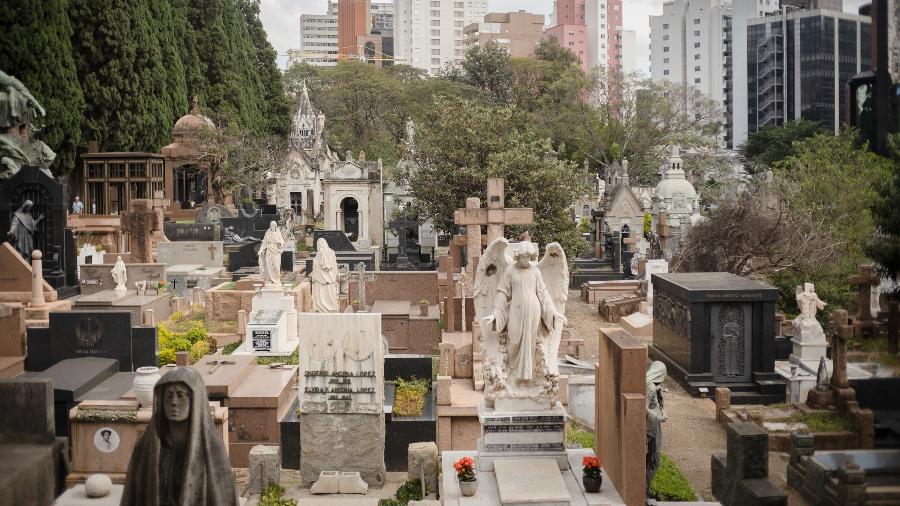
468 488
591 484
143 384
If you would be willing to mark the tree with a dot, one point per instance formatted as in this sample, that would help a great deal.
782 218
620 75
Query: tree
128 91
884 247
35 48
549 50
775 143
486 67
277 108
492 142
298 75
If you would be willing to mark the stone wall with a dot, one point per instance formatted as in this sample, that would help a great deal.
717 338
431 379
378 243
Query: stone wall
394 285
621 413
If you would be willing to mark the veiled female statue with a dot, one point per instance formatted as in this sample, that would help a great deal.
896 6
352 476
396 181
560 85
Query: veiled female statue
180 460
324 279
22 229
270 250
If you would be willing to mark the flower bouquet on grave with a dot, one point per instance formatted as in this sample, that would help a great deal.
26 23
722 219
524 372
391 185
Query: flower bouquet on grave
161 287
465 475
590 474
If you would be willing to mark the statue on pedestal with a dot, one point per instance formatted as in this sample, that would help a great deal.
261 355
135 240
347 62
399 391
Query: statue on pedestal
180 459
519 318
270 250
120 275
806 327
18 112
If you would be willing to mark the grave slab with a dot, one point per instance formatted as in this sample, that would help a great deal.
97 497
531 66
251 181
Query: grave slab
205 253
530 481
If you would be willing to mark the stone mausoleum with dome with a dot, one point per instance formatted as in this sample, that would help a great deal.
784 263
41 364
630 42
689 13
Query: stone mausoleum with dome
187 181
675 196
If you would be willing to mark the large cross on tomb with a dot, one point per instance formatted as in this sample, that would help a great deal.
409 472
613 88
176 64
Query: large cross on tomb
495 216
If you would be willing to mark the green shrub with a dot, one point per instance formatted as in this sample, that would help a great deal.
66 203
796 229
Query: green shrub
181 344
198 350
166 356
196 334
823 422
409 491
669 484
228 349
177 316
409 397
274 496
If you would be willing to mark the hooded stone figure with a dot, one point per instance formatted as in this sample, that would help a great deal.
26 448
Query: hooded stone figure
656 414
22 229
325 279
181 459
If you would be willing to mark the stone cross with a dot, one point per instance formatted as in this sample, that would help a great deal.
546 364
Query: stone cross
864 280
495 216
139 223
212 252
361 279
841 333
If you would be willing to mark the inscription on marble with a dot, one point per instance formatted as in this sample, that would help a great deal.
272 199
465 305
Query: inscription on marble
525 447
524 428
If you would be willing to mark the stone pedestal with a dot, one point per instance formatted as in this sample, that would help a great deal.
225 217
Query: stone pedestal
272 329
522 434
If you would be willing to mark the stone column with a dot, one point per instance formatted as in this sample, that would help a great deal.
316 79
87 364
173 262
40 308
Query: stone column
37 279
473 236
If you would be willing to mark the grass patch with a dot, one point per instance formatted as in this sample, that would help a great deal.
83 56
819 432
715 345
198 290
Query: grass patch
409 397
222 327
581 437
409 491
669 484
823 422
228 285
274 496
292 359
228 349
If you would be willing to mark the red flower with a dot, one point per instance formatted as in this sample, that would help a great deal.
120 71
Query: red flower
465 469
591 462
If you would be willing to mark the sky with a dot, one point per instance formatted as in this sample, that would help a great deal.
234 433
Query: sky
281 19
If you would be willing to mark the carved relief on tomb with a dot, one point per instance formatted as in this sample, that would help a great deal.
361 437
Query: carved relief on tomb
729 332
672 313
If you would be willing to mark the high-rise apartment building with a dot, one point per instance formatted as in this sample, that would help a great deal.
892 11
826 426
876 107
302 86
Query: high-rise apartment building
799 62
429 33
690 46
742 12
592 29
518 32
354 20
318 39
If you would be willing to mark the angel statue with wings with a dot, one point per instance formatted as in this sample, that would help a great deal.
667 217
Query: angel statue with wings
521 308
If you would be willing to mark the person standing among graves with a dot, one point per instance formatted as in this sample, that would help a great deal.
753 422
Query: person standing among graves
77 206
180 460
22 229
324 279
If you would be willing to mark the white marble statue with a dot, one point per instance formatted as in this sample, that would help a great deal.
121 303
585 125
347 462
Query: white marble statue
270 250
806 327
519 317
325 279
119 275
554 266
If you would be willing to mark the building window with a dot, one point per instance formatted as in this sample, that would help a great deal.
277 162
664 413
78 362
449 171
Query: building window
435 61
697 80
436 52
696 21
665 49
697 68
665 60
435 33
666 72
665 37
665 26
696 44
696 33
696 56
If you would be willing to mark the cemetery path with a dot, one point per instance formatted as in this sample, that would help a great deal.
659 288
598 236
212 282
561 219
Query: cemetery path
585 321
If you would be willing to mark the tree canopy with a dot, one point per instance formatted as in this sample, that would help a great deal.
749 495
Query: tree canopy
775 143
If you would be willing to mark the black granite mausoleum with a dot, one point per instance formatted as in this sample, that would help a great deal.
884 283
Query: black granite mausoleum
714 329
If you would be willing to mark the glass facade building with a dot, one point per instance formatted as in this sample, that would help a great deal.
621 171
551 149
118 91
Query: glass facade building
798 66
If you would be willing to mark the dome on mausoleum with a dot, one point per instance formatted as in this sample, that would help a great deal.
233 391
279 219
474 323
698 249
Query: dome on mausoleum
192 122
675 194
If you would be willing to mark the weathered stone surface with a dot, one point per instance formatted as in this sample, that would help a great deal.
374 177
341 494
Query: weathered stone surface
265 467
346 442
352 483
329 482
97 485
422 461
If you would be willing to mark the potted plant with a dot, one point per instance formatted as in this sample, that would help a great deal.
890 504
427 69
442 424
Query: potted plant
423 307
590 474
160 287
465 475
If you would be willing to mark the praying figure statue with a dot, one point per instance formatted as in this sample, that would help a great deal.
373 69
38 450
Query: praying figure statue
270 250
22 229
119 275
324 279
806 326
180 459
520 322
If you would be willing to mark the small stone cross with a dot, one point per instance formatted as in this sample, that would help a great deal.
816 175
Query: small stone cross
212 252
361 279
865 279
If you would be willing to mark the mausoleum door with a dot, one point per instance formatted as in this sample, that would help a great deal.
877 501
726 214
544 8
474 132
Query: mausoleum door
731 334
350 216
190 186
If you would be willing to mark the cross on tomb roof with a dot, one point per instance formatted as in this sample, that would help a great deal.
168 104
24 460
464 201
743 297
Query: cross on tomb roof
495 216
361 278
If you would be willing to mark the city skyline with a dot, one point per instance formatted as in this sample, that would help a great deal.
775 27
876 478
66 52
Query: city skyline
281 19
